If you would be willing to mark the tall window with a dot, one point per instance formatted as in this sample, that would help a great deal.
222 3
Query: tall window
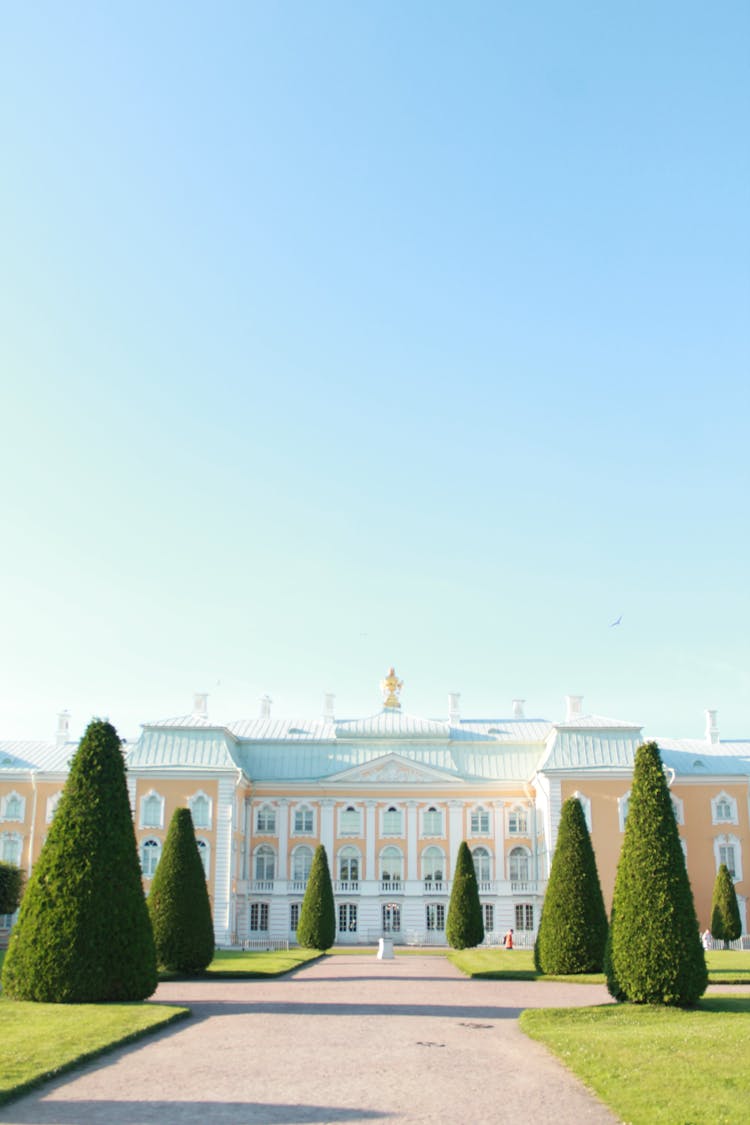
524 916
150 856
265 820
481 859
391 918
432 822
349 865
480 822
152 811
259 917
200 810
294 916
391 865
52 803
726 855
301 864
488 917
519 864
265 863
724 809
433 865
10 848
13 807
350 822
435 915
393 823
347 918
303 821
204 851
518 824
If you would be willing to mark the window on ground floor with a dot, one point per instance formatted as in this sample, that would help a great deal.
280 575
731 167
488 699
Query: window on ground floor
524 916
259 917
294 916
488 917
435 915
391 918
347 918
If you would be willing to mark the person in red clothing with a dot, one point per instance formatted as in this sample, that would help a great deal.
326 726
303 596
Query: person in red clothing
508 939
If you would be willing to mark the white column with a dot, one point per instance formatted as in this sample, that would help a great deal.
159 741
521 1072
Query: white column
326 830
282 827
455 832
499 807
223 860
370 834
412 839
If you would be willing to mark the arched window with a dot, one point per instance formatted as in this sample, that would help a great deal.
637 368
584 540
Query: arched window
519 865
304 822
301 864
265 820
393 822
724 809
480 822
351 823
432 822
13 807
152 811
52 803
482 864
200 810
518 822
150 856
728 850
391 865
204 851
10 848
265 863
433 865
349 865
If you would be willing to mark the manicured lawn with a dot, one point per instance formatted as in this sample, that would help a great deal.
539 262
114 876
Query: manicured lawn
238 963
42 1040
654 1065
724 966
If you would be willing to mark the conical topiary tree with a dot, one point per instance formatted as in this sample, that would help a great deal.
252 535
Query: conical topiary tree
726 924
573 927
11 886
83 933
465 927
316 928
178 902
654 954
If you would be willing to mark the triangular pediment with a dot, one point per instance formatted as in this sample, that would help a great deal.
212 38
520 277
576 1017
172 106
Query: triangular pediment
392 769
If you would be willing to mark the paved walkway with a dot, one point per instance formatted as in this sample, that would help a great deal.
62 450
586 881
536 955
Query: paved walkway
344 1039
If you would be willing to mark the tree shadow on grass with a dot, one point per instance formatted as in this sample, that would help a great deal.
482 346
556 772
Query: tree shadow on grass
732 1005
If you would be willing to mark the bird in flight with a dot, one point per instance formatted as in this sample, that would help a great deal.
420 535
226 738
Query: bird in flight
617 622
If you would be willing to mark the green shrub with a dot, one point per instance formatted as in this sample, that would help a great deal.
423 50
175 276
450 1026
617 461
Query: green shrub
11 886
654 954
316 928
465 927
573 927
726 924
178 902
83 933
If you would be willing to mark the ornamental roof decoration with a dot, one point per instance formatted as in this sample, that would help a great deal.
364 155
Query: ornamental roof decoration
391 689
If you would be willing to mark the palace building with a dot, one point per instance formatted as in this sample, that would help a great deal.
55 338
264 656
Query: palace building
391 796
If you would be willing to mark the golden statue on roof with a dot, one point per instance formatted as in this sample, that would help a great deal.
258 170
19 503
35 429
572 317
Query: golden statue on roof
390 687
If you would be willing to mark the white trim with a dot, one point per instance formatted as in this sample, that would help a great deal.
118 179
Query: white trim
5 802
720 798
142 822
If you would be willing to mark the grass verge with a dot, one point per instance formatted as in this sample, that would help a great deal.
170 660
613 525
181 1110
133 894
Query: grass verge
41 1041
724 966
655 1065
237 964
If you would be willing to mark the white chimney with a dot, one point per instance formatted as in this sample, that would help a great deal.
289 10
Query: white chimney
265 706
454 709
328 709
712 730
573 706
518 708
63 728
200 705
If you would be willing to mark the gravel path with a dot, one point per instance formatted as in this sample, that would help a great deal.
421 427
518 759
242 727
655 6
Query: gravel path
344 1039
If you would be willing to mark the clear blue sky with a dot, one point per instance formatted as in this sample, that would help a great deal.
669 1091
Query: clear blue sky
339 335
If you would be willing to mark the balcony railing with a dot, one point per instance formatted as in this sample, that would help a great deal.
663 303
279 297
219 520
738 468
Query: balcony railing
391 887
434 887
297 886
347 886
